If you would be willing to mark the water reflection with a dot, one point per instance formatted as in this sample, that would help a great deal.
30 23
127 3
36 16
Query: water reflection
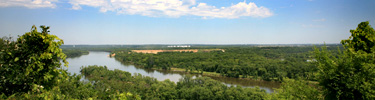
102 59
266 85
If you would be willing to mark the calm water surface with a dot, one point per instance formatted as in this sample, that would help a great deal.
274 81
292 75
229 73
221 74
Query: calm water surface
102 59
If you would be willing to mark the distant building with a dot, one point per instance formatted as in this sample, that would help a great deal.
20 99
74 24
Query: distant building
179 46
157 51
312 60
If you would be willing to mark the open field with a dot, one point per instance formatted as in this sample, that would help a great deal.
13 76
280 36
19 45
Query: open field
182 50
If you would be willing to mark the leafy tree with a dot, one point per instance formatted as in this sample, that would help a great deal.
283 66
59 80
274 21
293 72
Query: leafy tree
2 42
362 39
31 61
30 68
296 90
351 74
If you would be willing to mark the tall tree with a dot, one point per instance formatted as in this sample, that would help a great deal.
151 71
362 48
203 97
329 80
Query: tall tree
362 39
351 75
31 61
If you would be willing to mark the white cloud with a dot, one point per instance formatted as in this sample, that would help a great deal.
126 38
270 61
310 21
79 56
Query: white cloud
319 20
174 8
29 3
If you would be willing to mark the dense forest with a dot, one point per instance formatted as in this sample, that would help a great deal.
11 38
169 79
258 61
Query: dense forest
71 53
31 68
266 63
150 89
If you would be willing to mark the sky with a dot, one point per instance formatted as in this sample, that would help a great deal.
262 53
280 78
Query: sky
188 21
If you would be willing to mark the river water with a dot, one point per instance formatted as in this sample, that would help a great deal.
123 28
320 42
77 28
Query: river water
102 59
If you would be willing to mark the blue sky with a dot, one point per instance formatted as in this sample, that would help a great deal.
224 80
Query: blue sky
188 21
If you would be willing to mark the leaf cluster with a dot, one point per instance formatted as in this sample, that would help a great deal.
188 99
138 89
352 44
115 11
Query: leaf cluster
351 74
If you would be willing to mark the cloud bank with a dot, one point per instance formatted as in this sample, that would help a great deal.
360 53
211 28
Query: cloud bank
29 3
154 8
174 8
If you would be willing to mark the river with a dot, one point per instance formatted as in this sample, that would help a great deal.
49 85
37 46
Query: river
102 59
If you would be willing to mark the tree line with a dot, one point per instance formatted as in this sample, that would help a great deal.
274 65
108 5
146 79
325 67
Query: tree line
149 88
266 63
71 53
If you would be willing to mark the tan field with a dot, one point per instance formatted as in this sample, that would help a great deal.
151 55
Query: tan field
183 50
157 51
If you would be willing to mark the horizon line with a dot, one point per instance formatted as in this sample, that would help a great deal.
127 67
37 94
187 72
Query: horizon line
213 44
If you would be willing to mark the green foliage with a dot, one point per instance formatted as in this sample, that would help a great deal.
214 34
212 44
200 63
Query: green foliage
204 88
296 90
362 39
32 60
267 63
30 68
71 53
350 75
148 88
124 96
73 87
2 42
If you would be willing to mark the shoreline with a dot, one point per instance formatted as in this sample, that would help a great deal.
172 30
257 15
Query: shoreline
207 74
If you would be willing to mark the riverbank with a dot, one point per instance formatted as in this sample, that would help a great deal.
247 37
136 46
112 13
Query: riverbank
187 71
258 81
72 53
218 76
102 59
210 74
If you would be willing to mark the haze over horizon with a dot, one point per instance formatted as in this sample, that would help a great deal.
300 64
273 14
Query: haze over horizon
176 44
188 21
